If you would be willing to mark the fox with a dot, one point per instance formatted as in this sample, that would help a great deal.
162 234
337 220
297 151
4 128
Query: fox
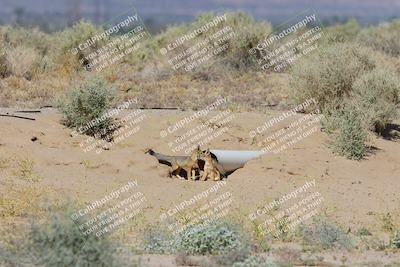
178 163
210 170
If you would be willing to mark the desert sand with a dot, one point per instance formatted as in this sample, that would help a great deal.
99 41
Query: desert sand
356 193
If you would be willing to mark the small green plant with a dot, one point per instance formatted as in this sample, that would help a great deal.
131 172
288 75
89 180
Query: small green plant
377 98
396 239
261 240
323 234
363 232
84 108
350 136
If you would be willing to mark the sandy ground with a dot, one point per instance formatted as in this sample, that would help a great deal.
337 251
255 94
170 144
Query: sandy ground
355 193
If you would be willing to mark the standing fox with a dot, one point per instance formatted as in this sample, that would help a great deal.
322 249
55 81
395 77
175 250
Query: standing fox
178 163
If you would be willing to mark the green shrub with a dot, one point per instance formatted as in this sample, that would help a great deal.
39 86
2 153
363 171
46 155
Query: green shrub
328 75
71 38
86 103
59 242
158 241
320 233
384 37
341 33
396 239
212 239
248 34
255 261
350 137
377 98
363 232
220 239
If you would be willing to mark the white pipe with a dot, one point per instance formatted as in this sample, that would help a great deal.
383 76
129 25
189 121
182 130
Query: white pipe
231 160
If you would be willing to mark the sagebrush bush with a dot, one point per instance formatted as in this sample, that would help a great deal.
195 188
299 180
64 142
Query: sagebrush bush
341 33
213 239
248 33
350 136
384 37
328 75
71 38
323 234
59 242
86 103
377 98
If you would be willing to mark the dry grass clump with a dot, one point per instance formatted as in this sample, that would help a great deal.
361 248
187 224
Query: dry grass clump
19 92
20 200
21 61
